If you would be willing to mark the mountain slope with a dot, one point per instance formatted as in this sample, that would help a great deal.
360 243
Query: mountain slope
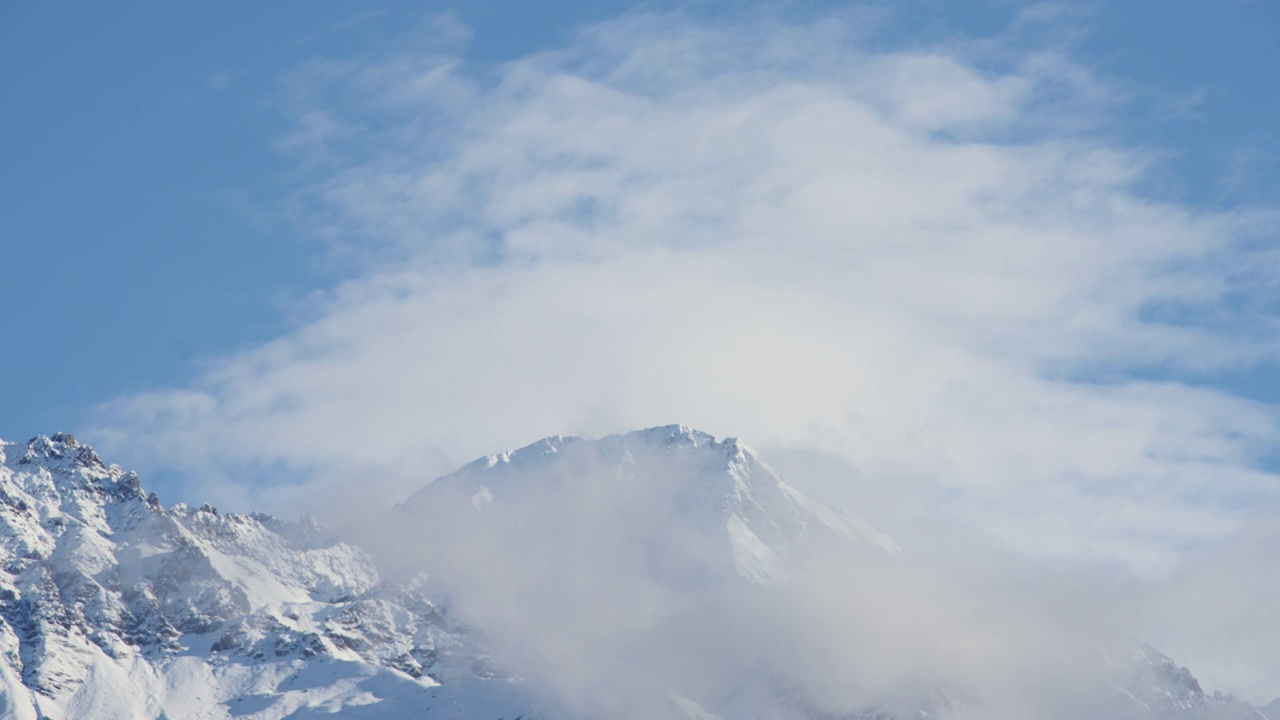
639 575
112 605
689 498
667 534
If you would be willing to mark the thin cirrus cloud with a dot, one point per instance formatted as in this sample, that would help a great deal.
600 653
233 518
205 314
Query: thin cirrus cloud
933 262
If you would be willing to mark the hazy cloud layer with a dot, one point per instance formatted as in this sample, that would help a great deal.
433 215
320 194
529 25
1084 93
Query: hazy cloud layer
930 262
607 573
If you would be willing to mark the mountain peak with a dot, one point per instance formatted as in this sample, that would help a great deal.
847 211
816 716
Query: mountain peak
674 435
104 594
669 436
662 436
660 488
58 448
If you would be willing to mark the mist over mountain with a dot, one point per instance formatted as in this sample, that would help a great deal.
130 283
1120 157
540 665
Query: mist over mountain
663 573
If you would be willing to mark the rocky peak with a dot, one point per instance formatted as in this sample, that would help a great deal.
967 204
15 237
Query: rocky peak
98 577
59 447
661 488
59 471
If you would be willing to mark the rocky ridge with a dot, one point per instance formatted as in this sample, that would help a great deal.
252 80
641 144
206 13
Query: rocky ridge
96 574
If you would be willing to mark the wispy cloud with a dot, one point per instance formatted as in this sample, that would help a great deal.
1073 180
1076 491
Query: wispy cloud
933 262
221 80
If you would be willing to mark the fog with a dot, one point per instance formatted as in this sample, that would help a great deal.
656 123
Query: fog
607 577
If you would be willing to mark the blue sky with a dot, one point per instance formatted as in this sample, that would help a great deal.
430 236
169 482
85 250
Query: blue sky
142 159
1012 266
141 171
172 202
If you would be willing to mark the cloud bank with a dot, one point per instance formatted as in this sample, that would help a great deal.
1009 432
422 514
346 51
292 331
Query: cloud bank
608 573
932 262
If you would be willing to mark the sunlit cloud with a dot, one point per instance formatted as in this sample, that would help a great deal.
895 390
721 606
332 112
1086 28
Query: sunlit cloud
931 262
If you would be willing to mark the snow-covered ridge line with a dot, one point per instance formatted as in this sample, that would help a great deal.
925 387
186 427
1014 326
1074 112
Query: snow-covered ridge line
724 480
115 606
112 605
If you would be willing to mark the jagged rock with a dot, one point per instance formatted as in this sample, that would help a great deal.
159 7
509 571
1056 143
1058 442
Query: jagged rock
98 574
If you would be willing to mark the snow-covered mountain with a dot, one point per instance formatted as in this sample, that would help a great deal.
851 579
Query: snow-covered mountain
575 554
114 606
695 505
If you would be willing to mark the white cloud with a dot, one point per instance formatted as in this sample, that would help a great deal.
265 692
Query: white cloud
1218 606
934 269
221 80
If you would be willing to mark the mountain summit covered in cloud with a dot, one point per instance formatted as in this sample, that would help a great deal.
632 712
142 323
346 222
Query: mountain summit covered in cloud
668 490
661 573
